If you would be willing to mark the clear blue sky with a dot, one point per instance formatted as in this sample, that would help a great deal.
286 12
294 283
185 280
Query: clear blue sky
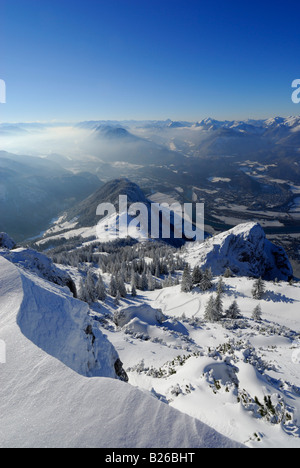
148 59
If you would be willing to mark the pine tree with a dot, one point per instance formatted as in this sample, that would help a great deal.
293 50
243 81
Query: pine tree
133 291
187 282
228 273
257 313
211 313
143 282
258 289
150 282
113 287
197 275
121 286
209 273
100 289
117 299
90 287
221 286
157 270
234 311
219 304
82 292
206 282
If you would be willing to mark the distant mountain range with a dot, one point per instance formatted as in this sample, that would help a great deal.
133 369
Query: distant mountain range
205 138
159 156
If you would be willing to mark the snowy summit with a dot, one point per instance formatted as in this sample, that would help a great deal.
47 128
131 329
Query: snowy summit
245 250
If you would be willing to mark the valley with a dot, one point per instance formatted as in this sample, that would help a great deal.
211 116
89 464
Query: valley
241 170
175 326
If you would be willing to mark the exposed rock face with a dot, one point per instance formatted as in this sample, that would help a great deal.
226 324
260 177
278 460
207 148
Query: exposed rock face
245 250
120 372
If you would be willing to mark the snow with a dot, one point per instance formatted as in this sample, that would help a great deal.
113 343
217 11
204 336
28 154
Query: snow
245 250
296 205
84 232
144 313
219 179
37 263
46 403
191 383
207 375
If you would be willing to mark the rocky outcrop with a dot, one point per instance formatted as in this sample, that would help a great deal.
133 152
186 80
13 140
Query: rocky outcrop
245 250
41 265
143 312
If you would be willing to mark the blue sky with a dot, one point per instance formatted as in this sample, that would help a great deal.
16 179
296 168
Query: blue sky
147 59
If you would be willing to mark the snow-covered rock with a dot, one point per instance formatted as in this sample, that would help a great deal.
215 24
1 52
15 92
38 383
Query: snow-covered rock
144 313
44 403
40 265
51 318
245 250
6 242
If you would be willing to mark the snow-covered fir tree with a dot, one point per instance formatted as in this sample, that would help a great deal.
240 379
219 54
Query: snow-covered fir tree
258 289
219 304
121 286
100 289
133 291
220 286
197 275
150 282
228 273
257 313
90 287
113 289
186 282
82 291
233 312
117 299
143 282
206 282
211 313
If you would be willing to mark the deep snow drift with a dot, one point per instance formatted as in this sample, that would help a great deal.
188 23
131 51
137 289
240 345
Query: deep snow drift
46 398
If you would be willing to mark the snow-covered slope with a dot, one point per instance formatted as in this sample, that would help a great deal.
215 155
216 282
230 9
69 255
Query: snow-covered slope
245 250
46 396
39 264
125 219
239 376
53 320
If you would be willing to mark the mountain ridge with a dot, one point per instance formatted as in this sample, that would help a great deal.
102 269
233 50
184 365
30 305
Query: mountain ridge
245 250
